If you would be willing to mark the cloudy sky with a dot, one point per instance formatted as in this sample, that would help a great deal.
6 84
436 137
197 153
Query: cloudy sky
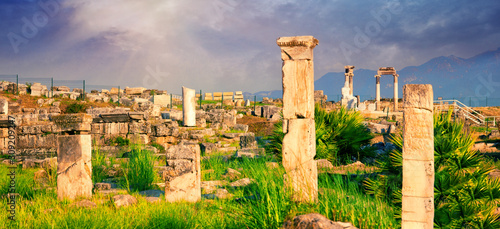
230 45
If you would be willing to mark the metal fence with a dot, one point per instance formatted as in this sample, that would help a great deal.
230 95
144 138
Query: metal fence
477 101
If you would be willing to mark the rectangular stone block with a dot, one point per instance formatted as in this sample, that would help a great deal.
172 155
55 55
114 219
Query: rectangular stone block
298 89
299 149
183 176
73 122
421 174
97 128
415 209
162 100
74 170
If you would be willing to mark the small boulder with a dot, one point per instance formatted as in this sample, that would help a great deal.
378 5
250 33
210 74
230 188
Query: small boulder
102 186
124 200
241 183
324 164
231 174
315 220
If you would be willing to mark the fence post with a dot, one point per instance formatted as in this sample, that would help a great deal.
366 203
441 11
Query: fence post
17 84
201 97
118 95
254 103
170 101
83 95
52 87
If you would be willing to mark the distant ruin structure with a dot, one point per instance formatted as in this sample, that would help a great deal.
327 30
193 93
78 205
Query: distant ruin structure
348 99
381 72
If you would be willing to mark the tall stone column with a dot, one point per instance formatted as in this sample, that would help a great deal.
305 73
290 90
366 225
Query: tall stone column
396 92
188 106
299 143
418 157
74 149
350 84
346 81
377 92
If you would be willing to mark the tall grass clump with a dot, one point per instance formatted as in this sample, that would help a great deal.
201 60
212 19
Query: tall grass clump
139 170
340 135
342 199
464 196
267 203
98 165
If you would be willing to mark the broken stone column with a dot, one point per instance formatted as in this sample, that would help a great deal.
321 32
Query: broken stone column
74 148
183 174
349 72
396 92
418 157
4 106
299 144
377 92
188 106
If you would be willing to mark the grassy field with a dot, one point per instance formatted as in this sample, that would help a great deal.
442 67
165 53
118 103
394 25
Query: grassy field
263 204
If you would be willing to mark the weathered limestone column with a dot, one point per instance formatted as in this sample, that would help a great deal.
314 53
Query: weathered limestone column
183 174
349 71
377 92
418 157
396 92
350 84
4 106
188 106
299 143
74 148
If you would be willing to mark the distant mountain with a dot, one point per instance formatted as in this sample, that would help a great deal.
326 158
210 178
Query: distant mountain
451 77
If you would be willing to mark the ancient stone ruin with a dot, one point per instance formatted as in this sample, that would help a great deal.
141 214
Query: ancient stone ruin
183 174
381 72
299 143
188 106
74 170
348 99
418 157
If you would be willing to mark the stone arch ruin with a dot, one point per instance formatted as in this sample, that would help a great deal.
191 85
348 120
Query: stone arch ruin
386 71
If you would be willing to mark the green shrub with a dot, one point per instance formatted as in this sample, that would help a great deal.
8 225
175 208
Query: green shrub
464 196
340 134
139 171
76 107
121 141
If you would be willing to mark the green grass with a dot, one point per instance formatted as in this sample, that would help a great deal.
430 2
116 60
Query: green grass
139 171
267 204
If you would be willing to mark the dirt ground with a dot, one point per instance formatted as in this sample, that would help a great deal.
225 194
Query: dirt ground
488 111
258 125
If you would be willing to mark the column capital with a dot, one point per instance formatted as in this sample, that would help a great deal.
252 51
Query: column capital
377 76
73 123
297 48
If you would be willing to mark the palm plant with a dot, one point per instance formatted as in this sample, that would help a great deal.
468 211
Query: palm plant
340 134
464 196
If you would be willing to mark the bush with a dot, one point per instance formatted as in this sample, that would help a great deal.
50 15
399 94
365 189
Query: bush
139 171
340 134
464 196
121 141
74 108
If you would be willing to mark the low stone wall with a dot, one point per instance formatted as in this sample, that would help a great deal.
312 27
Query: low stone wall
37 134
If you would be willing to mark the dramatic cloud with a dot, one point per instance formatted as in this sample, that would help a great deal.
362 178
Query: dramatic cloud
230 45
